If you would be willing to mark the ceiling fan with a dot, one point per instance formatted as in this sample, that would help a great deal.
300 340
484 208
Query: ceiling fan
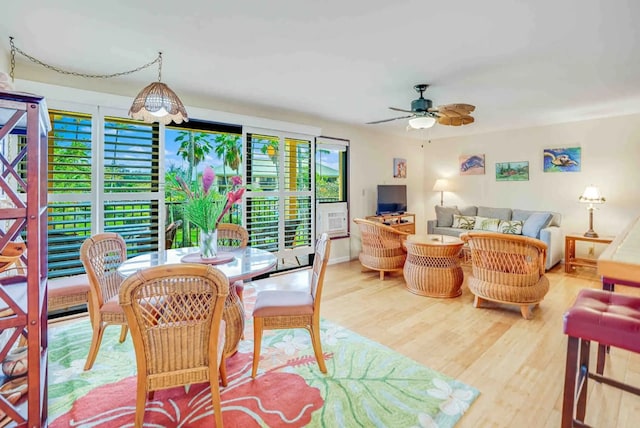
424 115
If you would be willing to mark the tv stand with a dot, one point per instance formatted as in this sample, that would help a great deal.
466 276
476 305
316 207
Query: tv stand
405 222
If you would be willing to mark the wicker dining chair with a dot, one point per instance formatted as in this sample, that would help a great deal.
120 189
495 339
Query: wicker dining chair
283 309
232 236
382 248
175 315
101 256
507 269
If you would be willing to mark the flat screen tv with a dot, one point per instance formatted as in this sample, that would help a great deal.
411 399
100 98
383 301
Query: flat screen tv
392 199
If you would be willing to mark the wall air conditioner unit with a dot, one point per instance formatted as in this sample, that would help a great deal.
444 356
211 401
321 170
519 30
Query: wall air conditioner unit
333 219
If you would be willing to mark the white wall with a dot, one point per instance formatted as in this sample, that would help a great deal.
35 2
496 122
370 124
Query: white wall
371 152
610 160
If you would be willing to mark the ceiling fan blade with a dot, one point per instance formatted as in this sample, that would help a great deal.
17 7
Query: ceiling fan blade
389 120
460 109
400 109
455 120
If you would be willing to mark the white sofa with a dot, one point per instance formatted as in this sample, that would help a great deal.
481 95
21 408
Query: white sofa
549 232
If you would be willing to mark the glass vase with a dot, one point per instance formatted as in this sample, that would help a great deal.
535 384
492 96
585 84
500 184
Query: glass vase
208 244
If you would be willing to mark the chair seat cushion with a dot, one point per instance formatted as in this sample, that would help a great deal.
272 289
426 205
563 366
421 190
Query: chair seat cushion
283 303
112 306
605 317
69 285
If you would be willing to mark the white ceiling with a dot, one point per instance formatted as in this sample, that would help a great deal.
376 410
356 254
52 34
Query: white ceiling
521 63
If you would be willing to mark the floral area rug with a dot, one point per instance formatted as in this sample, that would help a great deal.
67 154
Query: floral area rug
367 385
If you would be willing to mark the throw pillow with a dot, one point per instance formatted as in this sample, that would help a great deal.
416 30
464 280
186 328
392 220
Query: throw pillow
534 223
513 227
444 215
488 224
463 222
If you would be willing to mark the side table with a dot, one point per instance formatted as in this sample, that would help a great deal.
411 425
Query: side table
433 265
570 259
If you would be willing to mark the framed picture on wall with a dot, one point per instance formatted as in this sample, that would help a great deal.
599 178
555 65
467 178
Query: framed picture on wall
512 171
399 168
471 164
567 159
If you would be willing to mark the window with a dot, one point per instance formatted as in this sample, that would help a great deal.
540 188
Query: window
331 187
189 147
279 214
104 179
331 169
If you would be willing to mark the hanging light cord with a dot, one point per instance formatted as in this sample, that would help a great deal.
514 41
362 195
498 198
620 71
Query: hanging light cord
15 50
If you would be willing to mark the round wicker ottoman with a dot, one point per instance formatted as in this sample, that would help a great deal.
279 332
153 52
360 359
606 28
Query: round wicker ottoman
433 265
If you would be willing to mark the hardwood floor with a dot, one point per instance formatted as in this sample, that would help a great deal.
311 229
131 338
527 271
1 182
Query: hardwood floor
517 365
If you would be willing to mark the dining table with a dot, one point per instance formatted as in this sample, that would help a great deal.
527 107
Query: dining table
238 264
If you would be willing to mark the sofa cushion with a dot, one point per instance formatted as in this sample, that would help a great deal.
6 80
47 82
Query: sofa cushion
524 214
471 210
499 213
488 224
534 223
449 231
444 215
513 227
463 222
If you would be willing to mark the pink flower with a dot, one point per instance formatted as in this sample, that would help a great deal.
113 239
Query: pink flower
235 196
236 180
208 177
232 197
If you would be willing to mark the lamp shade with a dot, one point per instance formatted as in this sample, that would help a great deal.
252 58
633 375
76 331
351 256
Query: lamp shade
591 195
441 185
158 103
422 122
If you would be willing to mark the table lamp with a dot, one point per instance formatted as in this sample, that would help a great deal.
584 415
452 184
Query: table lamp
442 185
591 195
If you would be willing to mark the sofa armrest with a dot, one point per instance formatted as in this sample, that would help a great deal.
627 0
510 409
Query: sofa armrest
552 236
431 224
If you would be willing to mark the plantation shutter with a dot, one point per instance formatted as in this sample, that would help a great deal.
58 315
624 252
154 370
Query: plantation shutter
100 179
131 174
69 190
279 202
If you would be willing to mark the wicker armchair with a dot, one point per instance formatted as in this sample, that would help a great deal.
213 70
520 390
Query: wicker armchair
382 248
283 309
101 256
175 314
507 269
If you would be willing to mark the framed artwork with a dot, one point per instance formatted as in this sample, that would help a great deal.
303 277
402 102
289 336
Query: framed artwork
566 159
399 168
512 171
471 164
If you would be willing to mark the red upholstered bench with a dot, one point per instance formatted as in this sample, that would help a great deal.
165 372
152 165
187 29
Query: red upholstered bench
67 291
612 320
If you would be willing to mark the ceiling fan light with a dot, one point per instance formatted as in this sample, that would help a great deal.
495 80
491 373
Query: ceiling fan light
422 122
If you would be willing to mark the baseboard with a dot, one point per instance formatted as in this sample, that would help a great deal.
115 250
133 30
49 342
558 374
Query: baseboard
339 260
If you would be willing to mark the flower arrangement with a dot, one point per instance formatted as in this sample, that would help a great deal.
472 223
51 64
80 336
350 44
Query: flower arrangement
205 206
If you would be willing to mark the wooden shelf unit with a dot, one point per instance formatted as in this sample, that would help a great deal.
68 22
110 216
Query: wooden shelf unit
403 222
23 215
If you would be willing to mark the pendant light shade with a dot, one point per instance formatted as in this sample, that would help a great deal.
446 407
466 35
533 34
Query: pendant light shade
158 103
